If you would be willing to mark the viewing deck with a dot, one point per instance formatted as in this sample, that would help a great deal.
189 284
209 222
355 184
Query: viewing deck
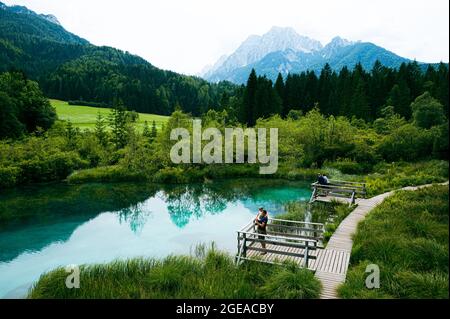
298 242
339 191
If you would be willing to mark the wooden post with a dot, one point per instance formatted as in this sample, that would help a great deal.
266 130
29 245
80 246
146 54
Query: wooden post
353 198
313 195
306 255
244 246
239 244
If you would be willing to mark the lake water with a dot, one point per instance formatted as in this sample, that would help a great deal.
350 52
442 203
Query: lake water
63 225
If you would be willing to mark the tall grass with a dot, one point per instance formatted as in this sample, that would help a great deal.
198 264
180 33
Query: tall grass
387 177
329 214
208 274
407 237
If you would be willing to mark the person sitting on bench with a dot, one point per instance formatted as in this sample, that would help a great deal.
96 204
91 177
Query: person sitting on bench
321 180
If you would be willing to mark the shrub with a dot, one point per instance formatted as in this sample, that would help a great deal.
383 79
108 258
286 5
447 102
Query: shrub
170 175
9 176
291 283
347 166
105 174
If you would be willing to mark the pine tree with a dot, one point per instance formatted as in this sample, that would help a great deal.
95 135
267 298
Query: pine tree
400 99
71 134
325 88
250 99
279 88
154 132
119 121
100 130
146 132
377 89
359 106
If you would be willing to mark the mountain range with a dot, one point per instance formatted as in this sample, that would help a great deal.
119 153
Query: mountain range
68 67
283 50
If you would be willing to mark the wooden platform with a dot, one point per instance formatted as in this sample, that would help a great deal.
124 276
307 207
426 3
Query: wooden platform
339 191
295 241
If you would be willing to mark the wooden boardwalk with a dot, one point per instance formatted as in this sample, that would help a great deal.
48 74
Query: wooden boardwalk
332 262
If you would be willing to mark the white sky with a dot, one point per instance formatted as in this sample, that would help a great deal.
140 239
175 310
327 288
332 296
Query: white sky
186 35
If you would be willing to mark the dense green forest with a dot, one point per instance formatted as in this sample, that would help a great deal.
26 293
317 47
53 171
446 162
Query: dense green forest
352 93
49 150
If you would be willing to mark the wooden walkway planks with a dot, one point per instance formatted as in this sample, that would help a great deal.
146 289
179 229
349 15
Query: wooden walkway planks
279 258
336 256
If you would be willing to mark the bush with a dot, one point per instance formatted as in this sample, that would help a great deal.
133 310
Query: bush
347 166
9 176
291 283
85 103
53 167
170 175
407 143
105 174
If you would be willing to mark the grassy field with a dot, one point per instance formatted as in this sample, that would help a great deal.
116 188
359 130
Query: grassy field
84 117
407 237
208 274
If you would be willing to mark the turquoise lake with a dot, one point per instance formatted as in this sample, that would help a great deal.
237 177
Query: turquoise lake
43 227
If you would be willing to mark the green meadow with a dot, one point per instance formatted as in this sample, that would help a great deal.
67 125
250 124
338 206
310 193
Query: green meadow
85 117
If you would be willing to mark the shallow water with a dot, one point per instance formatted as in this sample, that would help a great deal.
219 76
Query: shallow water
63 225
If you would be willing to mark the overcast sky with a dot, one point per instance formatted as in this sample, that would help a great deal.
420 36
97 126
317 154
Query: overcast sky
186 35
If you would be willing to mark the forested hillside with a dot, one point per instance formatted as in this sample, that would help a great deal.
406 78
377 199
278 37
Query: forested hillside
70 68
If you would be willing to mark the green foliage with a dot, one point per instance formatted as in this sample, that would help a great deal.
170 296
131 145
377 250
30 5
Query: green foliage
408 143
407 237
392 176
440 143
355 93
23 108
347 166
104 174
119 122
100 130
211 274
261 100
293 283
427 111
37 160
9 176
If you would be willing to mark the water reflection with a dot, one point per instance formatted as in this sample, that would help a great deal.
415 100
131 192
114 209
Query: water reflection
58 225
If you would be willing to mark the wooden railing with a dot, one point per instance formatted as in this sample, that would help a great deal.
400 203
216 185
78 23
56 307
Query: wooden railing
304 237
336 188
